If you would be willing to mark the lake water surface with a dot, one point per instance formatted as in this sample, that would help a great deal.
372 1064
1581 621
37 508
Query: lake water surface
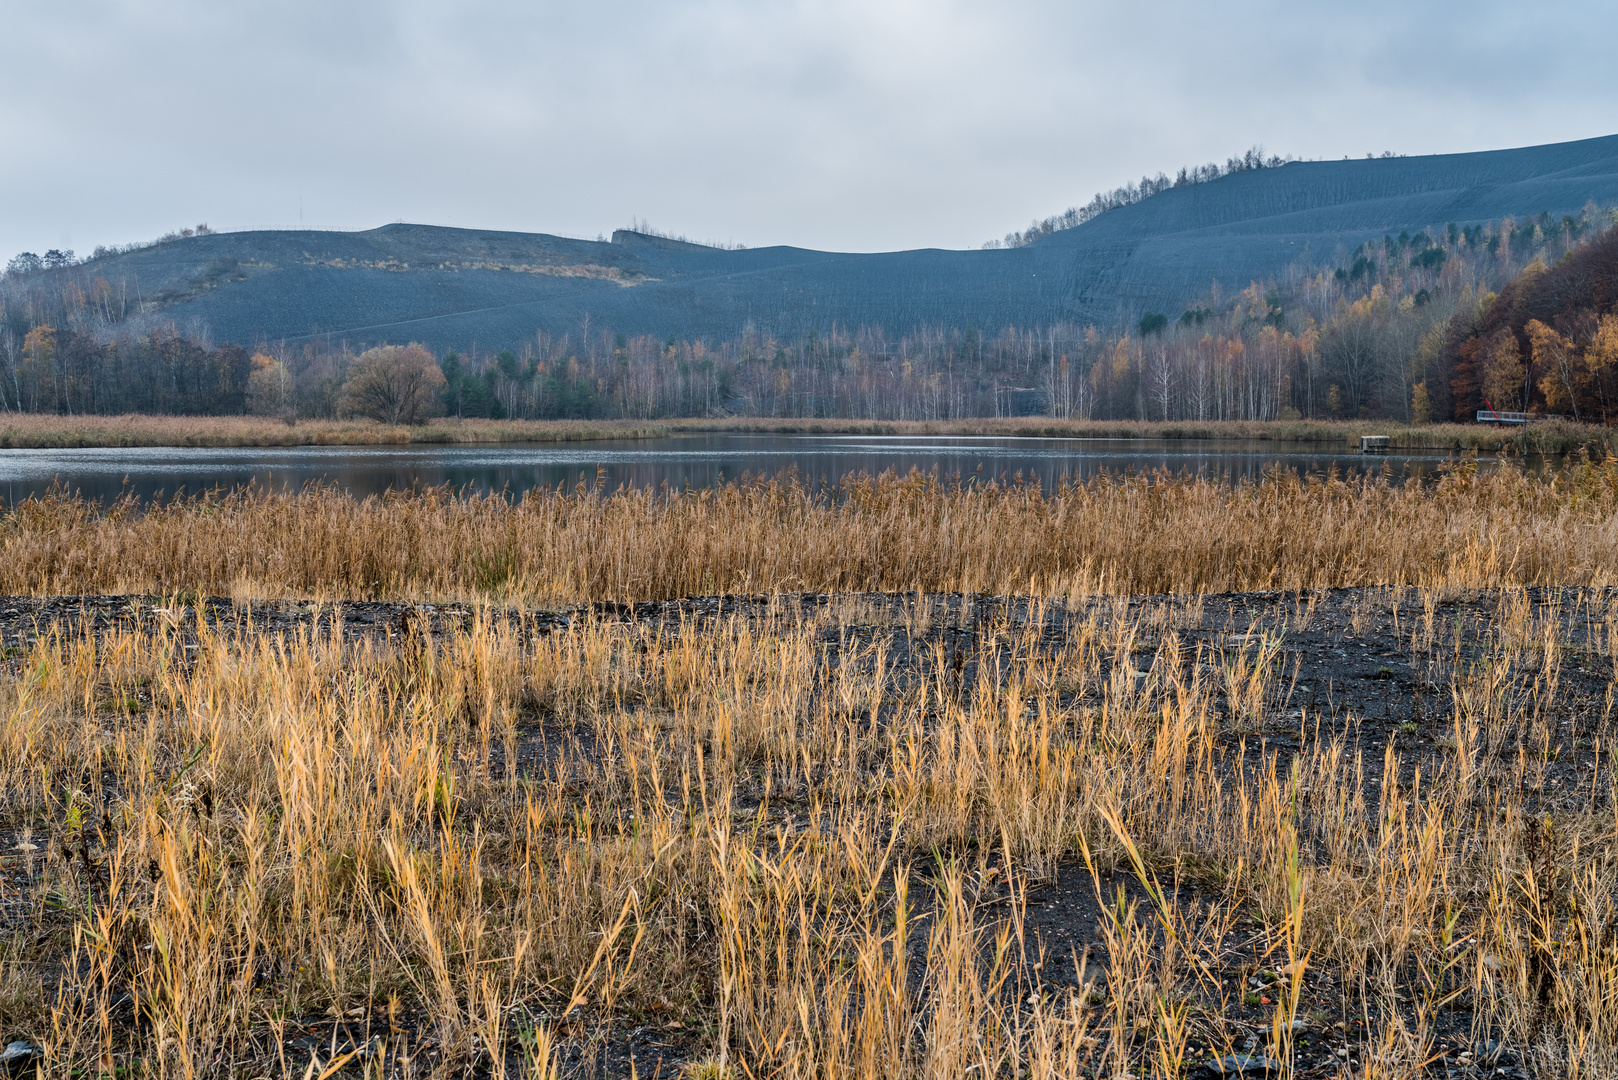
698 460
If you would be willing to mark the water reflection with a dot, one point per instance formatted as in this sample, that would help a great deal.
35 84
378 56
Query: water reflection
697 461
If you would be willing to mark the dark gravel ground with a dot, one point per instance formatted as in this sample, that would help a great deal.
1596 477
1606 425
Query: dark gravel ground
1353 661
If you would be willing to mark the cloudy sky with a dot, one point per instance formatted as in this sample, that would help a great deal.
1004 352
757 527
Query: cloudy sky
846 124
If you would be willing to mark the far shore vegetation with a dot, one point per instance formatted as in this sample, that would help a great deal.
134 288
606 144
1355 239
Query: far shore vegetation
19 431
1438 326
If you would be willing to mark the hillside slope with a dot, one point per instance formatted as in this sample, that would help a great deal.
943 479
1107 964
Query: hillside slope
456 287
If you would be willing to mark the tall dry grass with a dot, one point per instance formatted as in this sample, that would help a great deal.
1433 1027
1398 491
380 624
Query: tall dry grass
251 834
1157 534
474 850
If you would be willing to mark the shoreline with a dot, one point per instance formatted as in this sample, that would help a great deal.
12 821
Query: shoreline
43 432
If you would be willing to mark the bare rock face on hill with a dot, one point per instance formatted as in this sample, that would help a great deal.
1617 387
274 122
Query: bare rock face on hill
449 287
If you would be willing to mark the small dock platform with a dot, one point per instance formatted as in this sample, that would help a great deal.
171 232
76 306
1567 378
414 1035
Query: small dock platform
1375 444
1495 416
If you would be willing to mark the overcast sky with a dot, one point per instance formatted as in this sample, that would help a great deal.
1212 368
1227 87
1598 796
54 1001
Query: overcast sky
861 125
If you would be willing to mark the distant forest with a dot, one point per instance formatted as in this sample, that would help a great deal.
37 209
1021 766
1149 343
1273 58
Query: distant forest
1518 314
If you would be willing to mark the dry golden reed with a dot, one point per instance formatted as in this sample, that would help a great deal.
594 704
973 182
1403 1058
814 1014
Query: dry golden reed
1158 534
477 849
249 832
40 430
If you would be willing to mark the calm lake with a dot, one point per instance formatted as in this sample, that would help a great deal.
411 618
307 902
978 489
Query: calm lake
698 460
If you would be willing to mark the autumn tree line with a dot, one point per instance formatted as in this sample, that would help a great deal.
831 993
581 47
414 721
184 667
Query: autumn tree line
1514 315
1546 343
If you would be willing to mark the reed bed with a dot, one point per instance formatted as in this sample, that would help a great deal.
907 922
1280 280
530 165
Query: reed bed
1544 436
802 841
1142 534
721 829
40 431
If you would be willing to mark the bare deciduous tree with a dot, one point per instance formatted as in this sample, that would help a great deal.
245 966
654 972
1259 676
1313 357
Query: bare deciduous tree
394 384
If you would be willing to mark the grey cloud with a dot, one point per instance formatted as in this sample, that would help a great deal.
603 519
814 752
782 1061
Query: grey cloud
838 124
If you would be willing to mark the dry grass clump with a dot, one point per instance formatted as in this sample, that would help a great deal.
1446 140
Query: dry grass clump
1143 534
460 855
